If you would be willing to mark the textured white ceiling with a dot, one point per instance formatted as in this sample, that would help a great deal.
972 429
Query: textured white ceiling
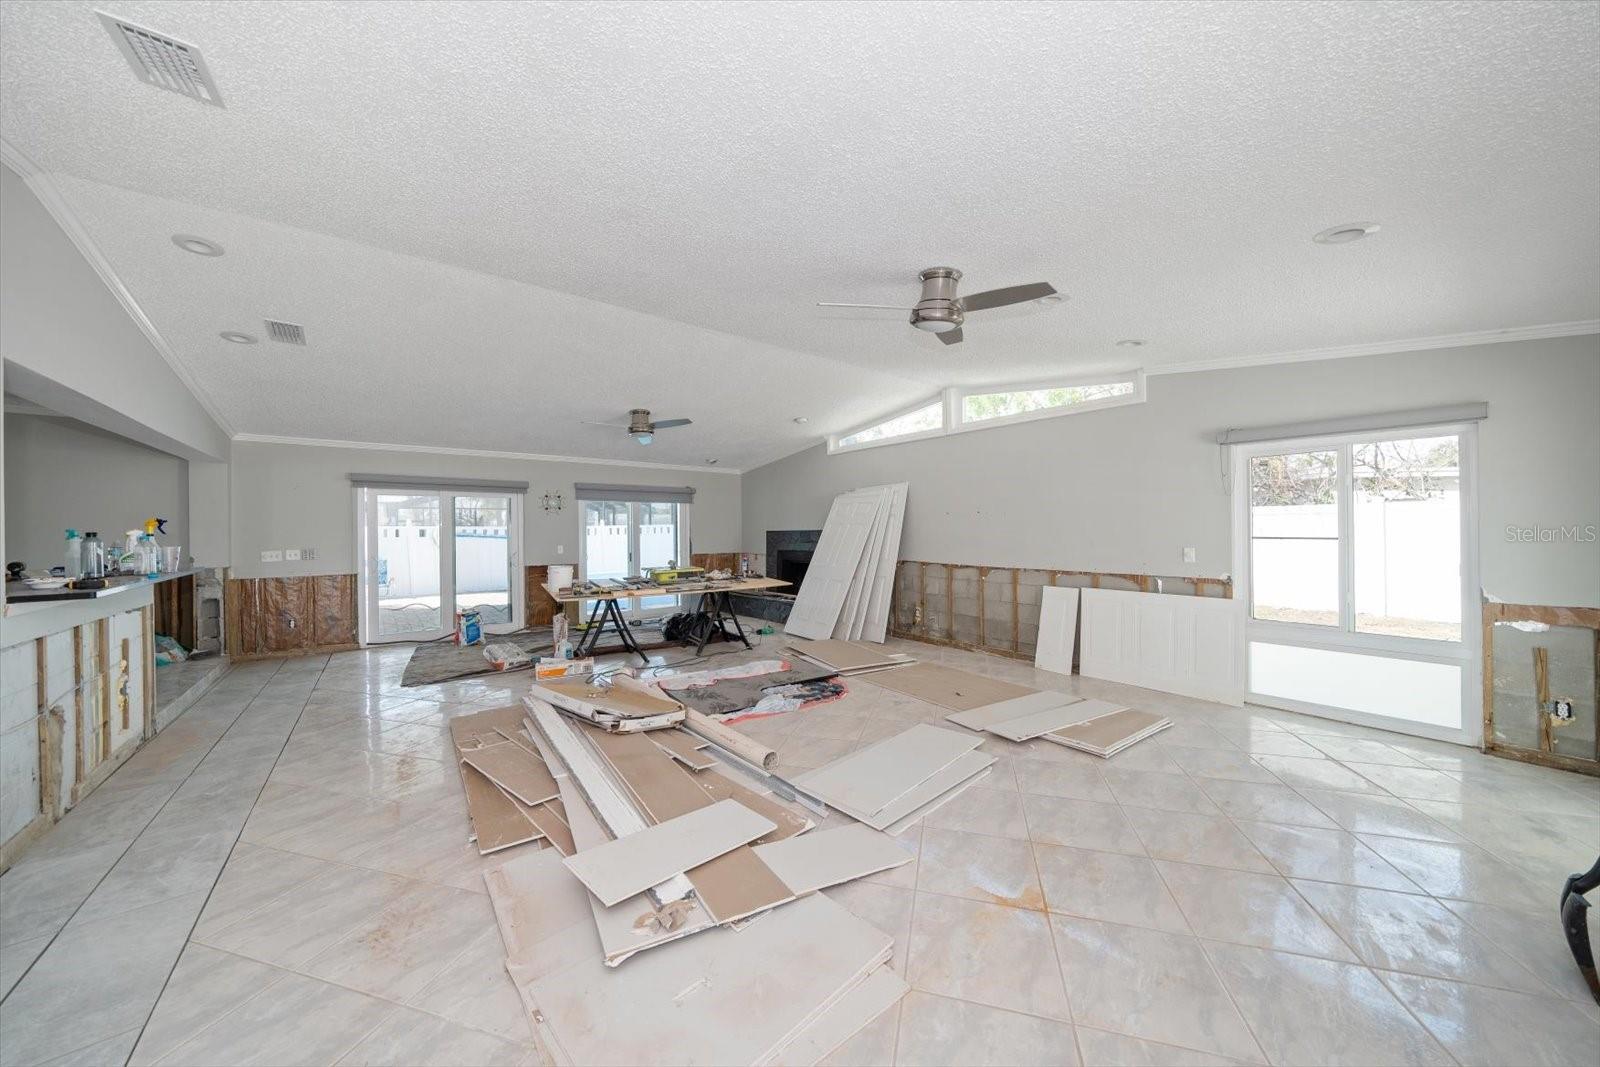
422 184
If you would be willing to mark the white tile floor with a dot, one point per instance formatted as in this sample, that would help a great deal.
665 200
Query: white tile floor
283 877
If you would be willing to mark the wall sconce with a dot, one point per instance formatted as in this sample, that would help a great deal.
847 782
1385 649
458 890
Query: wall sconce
551 501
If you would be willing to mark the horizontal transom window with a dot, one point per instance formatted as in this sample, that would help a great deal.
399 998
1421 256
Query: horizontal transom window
957 410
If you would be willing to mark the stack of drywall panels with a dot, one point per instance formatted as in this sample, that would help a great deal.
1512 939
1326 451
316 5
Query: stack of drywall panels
849 657
624 952
1098 727
848 583
512 798
893 783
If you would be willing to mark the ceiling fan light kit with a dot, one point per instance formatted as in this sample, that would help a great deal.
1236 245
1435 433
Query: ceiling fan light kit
641 427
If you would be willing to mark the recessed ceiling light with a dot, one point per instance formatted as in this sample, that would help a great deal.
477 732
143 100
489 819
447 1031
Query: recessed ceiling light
800 420
1344 234
198 245
1130 342
236 337
711 463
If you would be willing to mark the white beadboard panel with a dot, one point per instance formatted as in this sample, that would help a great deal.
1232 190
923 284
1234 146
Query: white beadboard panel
1177 644
1058 629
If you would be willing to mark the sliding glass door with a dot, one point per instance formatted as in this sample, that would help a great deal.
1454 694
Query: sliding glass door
425 554
1356 558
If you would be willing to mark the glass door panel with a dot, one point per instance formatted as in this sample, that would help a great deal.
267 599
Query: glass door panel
408 560
658 538
482 534
1407 516
1294 538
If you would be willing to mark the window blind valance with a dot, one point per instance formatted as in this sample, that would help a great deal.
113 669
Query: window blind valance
435 483
1393 420
644 494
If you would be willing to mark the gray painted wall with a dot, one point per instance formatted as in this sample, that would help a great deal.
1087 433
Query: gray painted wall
299 496
1126 489
60 472
69 344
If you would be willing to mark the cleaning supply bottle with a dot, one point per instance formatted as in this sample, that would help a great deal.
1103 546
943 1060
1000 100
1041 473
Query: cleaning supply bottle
74 554
152 556
94 556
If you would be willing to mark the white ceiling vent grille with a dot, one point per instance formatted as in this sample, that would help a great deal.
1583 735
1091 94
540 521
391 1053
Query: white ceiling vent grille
162 61
286 333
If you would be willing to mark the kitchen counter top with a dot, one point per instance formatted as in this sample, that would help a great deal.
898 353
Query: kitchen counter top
21 593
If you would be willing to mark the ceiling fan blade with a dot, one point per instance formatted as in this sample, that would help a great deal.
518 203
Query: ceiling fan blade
950 337
999 298
662 424
880 307
607 425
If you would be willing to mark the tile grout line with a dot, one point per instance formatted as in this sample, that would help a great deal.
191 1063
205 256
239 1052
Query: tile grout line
133 841
187 937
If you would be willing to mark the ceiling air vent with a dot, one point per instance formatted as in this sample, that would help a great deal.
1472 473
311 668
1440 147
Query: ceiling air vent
162 61
286 333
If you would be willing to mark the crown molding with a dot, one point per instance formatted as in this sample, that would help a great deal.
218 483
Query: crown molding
43 187
1384 348
478 453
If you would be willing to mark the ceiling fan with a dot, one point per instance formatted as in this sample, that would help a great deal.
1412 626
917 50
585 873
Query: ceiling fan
640 427
941 312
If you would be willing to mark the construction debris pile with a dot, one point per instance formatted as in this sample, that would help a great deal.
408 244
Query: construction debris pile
682 871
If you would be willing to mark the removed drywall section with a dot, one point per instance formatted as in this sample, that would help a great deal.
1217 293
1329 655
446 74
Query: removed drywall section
1126 489
61 473
289 496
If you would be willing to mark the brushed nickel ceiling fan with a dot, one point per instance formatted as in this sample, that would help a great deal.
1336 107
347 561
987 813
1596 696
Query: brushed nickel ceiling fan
942 312
640 427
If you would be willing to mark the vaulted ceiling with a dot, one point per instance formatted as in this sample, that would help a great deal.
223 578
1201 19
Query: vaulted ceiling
496 221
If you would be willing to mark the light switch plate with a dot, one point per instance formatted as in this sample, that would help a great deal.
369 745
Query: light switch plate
272 555
291 555
308 553
561 550
1188 555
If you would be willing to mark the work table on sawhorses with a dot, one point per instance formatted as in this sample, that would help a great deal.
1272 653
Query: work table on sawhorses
714 603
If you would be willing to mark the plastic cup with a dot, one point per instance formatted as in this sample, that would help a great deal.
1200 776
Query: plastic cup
171 558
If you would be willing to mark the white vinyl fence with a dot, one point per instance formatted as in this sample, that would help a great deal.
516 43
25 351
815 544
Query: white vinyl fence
408 560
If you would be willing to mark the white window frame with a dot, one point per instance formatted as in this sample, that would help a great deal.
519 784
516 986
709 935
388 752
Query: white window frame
943 400
1137 396
1466 653
685 551
952 400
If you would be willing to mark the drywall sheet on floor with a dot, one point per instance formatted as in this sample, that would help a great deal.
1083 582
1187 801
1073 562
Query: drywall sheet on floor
514 769
1192 645
683 747
833 565
1015 708
880 992
1058 629
733 885
497 822
948 687
868 780
910 818
847 655
720 997
1026 727
629 865
1109 734
828 857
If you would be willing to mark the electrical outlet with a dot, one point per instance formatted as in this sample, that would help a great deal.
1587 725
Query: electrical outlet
1188 555
308 553
561 550
272 555
291 555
